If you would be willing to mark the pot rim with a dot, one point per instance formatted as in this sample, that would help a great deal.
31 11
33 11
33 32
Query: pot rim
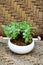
21 46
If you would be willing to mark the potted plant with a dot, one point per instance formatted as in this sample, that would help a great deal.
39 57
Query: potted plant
17 32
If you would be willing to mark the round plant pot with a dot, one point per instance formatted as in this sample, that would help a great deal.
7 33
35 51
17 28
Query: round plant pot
20 49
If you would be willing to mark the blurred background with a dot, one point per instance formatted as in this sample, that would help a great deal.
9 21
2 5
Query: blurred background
19 10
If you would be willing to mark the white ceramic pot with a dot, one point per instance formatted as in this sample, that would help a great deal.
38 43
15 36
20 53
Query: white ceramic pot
21 49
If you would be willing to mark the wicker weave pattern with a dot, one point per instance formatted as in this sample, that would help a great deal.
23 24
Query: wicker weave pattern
18 10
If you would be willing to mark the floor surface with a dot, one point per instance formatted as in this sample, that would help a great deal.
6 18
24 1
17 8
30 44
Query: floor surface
35 57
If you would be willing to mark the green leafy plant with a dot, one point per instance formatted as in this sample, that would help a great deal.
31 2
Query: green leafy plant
14 29
26 31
